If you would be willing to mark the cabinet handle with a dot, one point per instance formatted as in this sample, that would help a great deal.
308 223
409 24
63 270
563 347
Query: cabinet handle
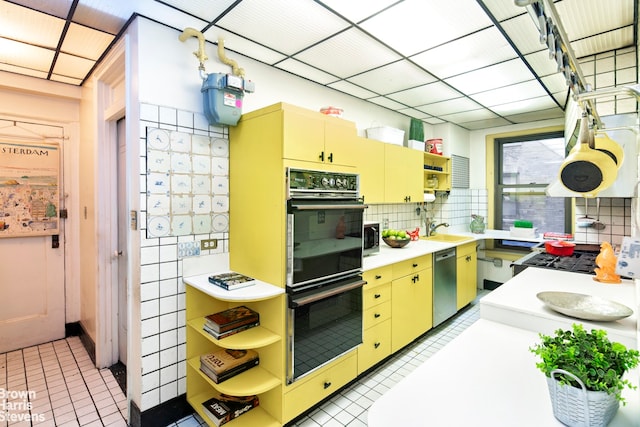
407 199
321 156
376 296
327 384
378 277
468 258
330 157
376 315
376 345
414 265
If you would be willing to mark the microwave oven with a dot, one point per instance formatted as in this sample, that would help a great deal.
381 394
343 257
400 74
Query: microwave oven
371 237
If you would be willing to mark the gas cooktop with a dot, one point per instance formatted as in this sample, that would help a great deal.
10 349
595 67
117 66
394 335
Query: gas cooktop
579 262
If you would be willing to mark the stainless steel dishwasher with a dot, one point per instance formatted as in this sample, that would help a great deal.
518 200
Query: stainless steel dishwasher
444 285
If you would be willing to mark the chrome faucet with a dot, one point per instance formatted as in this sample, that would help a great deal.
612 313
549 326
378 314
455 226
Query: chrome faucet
431 228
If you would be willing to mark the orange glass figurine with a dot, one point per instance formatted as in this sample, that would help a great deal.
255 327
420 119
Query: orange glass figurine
606 261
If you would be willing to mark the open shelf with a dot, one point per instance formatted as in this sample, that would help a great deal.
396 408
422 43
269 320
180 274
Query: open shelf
255 380
442 173
255 417
250 338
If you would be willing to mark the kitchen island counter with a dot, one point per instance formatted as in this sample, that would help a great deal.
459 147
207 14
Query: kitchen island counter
515 303
485 376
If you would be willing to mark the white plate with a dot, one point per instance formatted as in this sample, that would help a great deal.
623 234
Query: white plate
585 307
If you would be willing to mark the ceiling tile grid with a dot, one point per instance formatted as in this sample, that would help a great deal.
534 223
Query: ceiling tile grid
474 63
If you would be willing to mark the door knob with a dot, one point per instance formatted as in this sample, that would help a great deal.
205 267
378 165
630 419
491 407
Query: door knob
117 253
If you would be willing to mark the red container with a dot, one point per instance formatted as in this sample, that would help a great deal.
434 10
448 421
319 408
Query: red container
559 248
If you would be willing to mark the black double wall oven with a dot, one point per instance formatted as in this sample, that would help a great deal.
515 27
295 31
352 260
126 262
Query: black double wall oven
324 268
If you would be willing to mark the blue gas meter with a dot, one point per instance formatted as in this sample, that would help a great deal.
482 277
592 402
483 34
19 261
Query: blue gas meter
222 95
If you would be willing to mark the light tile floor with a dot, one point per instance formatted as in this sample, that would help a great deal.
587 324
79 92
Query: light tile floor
56 384
349 407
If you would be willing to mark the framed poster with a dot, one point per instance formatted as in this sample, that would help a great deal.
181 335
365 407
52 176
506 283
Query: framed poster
29 189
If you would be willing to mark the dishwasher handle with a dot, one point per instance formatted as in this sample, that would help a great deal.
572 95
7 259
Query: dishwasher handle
442 255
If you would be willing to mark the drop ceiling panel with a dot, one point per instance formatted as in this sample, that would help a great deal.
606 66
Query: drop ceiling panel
412 112
588 17
483 124
239 44
205 9
532 116
512 93
85 42
105 16
348 53
474 51
541 63
524 33
524 105
306 71
411 26
603 42
387 103
495 76
351 89
393 77
469 116
30 57
502 10
23 71
449 106
286 26
28 26
72 66
356 11
427 94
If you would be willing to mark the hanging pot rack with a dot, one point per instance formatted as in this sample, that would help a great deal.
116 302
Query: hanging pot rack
553 34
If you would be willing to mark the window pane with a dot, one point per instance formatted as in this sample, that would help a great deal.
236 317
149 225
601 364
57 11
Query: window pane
528 162
546 213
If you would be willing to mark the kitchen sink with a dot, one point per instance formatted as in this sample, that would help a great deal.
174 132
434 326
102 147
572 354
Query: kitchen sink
449 238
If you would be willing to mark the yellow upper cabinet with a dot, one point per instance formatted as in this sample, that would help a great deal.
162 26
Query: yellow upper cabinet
403 176
370 166
437 173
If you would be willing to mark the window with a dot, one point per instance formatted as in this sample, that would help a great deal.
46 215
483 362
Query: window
525 166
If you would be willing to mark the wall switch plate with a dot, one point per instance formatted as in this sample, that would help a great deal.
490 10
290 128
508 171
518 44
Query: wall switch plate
207 244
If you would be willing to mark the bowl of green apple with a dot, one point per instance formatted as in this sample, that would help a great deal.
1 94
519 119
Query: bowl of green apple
395 238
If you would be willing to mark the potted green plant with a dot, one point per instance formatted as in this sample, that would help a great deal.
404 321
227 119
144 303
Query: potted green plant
584 371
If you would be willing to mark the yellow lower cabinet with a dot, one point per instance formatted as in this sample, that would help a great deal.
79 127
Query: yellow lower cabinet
466 272
411 307
306 392
376 344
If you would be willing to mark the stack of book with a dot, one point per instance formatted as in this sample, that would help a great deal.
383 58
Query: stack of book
231 321
231 280
225 408
227 363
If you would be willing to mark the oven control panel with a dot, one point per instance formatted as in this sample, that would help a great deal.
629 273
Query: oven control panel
322 182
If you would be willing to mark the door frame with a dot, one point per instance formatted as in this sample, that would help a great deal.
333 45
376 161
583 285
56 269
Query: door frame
110 107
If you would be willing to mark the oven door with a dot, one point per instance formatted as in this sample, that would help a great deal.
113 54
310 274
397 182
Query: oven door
324 240
323 323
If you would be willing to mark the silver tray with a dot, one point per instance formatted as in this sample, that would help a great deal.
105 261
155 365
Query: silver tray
585 307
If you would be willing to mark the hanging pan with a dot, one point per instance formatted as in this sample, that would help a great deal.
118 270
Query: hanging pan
587 170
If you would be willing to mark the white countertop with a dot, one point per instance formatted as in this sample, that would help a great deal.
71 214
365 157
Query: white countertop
484 377
388 255
515 303
260 291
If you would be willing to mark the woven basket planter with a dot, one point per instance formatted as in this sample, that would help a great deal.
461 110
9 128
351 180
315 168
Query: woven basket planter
579 407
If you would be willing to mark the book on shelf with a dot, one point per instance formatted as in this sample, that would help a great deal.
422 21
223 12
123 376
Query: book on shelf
225 408
231 318
234 331
226 363
231 280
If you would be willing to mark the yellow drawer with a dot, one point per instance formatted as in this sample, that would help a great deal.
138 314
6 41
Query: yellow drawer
412 265
376 345
377 276
376 314
319 386
377 295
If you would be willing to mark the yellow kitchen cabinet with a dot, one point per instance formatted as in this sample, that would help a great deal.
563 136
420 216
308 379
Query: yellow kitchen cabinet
466 273
376 319
438 167
307 391
264 380
370 166
403 176
261 146
411 300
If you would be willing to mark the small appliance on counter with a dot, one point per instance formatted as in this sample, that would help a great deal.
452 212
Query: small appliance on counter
371 238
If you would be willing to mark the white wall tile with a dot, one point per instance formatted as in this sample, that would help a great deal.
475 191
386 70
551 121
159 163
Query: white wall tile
168 391
150 344
168 321
150 399
169 357
168 339
150 363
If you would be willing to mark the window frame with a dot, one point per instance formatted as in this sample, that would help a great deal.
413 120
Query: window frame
498 143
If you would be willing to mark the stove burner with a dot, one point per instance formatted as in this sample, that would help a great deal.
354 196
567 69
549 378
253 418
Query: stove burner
579 262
